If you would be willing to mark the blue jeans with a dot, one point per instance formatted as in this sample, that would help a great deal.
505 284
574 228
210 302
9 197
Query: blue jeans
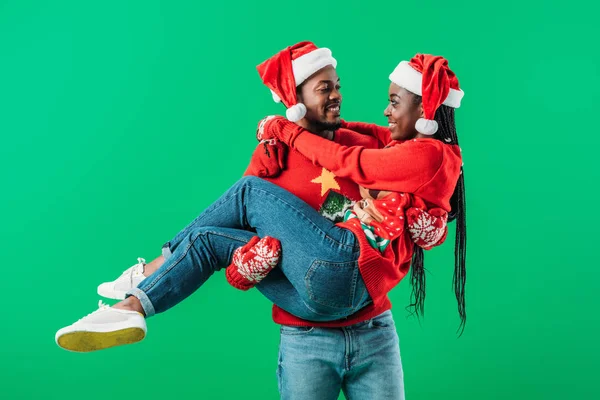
362 360
317 279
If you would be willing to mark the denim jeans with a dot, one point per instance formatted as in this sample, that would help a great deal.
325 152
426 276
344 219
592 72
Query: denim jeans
317 278
362 360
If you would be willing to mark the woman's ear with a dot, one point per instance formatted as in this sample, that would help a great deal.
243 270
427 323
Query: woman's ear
421 112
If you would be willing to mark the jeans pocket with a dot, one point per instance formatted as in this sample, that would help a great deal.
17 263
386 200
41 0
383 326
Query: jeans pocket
332 284
296 330
383 321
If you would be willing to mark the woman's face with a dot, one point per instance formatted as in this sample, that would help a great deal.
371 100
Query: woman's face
402 113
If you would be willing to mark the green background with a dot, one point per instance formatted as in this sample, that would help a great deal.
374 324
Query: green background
120 121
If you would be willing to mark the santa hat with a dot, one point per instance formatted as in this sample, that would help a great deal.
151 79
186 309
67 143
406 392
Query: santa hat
431 78
287 69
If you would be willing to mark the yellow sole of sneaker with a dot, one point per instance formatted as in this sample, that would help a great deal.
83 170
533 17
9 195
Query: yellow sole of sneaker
84 342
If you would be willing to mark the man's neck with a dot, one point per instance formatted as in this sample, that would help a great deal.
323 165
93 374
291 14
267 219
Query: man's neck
314 130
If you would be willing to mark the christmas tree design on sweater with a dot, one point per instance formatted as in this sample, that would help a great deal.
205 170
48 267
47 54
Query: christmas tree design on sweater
335 204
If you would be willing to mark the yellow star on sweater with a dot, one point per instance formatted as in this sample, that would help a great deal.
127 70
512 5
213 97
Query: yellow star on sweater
327 181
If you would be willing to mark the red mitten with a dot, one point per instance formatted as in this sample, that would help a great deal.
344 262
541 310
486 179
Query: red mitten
252 262
280 128
427 228
265 134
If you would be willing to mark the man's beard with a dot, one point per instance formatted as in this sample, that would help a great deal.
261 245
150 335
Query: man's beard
327 126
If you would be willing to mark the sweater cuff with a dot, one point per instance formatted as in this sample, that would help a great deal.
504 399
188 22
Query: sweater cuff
235 279
289 132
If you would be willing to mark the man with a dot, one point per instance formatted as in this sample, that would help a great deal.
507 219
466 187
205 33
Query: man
361 359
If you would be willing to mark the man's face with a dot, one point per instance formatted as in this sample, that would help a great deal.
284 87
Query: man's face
402 113
320 93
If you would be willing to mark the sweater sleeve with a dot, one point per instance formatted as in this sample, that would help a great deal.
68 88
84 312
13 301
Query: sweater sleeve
381 133
404 167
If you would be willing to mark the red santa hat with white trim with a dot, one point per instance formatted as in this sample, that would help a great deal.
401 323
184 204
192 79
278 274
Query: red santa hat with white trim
431 78
288 69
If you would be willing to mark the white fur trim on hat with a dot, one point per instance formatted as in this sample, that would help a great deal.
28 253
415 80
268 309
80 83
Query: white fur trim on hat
412 80
307 64
426 126
296 112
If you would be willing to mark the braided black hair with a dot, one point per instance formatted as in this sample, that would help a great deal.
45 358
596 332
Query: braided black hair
447 134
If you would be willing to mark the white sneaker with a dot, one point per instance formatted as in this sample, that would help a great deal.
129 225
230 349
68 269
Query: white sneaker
104 328
124 283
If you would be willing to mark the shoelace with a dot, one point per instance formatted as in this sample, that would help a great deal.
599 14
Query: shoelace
135 267
135 270
101 306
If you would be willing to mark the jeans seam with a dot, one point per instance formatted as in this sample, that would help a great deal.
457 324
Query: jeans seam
279 367
213 207
355 347
304 332
155 281
221 234
354 283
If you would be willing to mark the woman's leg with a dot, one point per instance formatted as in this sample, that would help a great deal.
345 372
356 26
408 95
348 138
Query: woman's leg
318 279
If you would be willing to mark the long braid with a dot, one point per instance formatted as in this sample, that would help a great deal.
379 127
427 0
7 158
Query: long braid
447 134
417 281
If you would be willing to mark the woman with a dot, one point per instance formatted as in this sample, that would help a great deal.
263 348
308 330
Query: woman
417 177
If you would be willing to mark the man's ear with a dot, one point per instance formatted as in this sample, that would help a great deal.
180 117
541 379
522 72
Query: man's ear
421 112
299 96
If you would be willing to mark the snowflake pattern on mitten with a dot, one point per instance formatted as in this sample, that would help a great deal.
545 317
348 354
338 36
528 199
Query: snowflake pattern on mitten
251 263
256 263
260 131
427 228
